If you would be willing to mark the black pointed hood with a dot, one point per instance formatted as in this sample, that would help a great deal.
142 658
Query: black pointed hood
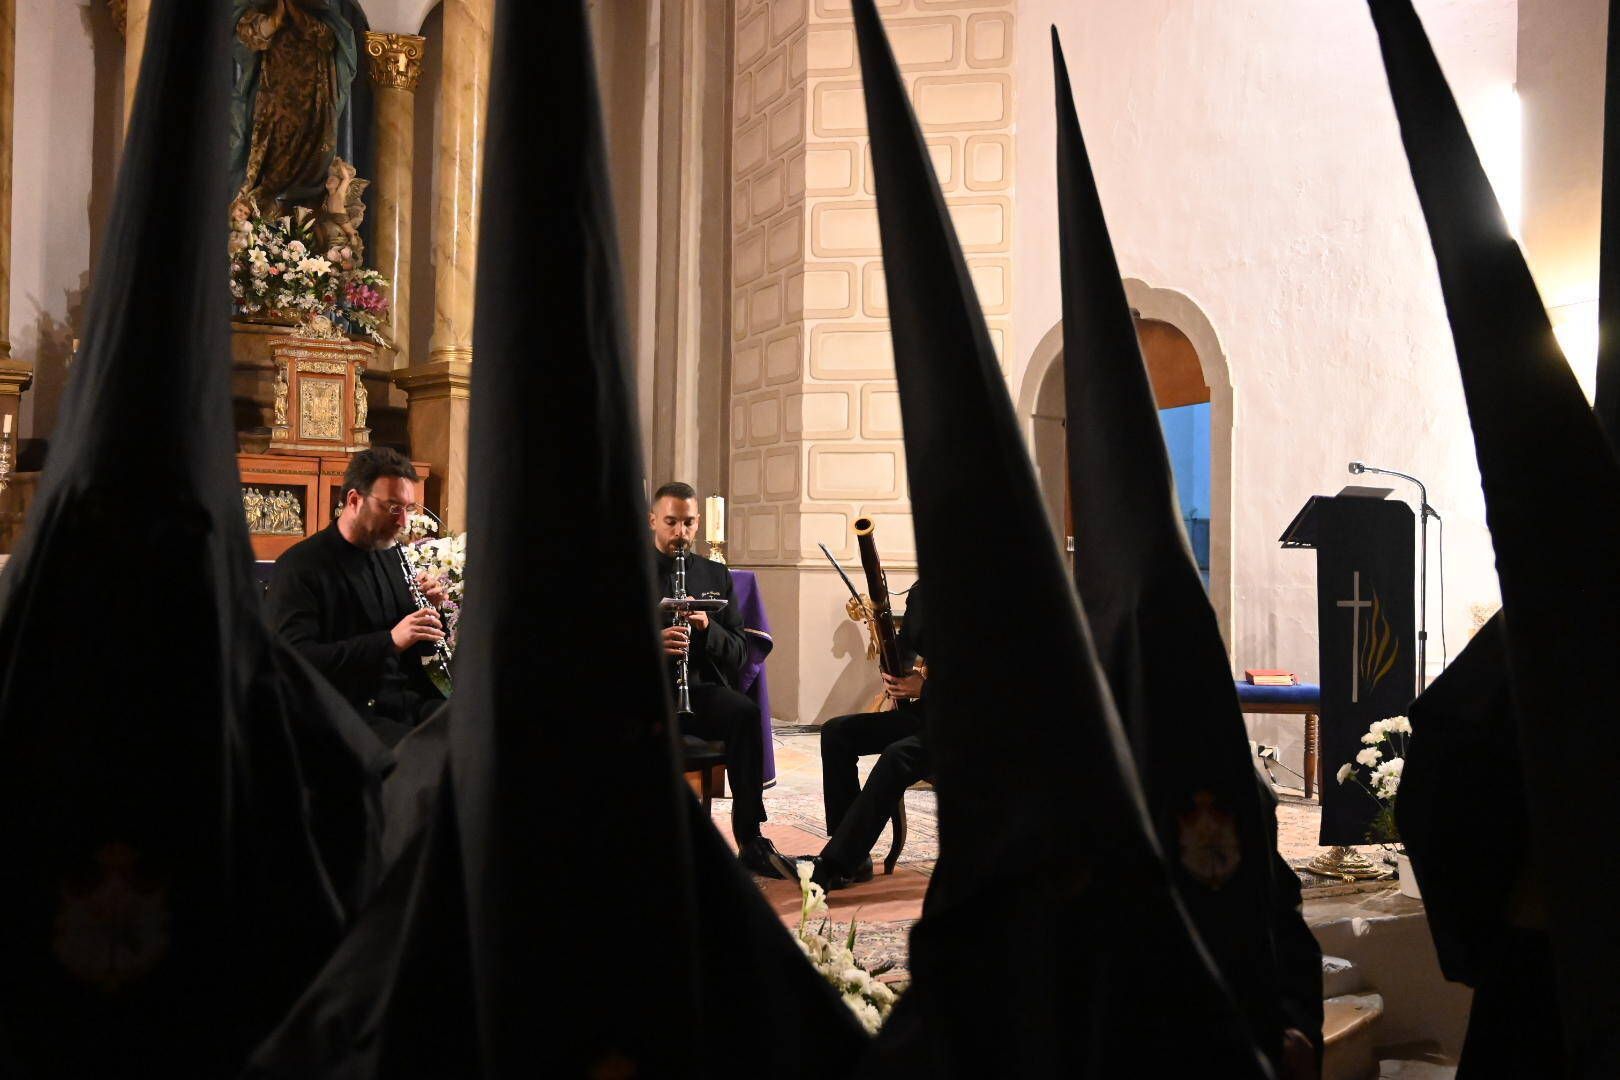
168 765
563 866
1607 403
1022 868
1150 617
1541 451
547 194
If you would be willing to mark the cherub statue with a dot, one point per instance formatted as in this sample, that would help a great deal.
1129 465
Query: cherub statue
337 222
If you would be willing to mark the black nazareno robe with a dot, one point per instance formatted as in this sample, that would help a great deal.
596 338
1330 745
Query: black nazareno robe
189 812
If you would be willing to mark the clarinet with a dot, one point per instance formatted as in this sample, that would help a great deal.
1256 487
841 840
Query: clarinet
441 647
683 696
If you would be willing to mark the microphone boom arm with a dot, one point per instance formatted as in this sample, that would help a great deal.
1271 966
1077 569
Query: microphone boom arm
1425 512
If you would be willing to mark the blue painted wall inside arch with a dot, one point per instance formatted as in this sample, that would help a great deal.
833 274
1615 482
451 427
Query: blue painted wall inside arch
1186 438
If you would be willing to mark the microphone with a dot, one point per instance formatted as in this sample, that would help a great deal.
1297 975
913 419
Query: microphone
1425 512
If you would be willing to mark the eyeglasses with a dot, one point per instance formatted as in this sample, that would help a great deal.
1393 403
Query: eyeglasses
394 509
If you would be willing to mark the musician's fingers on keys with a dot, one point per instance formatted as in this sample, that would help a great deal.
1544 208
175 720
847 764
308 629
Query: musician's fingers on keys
676 640
431 589
419 626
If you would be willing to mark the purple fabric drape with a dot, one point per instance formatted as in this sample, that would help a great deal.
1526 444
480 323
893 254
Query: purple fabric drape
751 605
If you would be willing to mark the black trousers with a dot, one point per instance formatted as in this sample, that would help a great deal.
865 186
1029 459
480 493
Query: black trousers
720 713
856 815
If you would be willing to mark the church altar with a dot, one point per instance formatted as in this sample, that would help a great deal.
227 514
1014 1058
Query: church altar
320 400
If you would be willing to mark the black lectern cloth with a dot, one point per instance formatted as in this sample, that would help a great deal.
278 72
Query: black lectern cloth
1366 641
1155 631
182 800
581 916
1023 877
1539 446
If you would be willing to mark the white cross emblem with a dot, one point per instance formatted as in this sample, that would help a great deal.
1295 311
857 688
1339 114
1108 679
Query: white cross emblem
1355 604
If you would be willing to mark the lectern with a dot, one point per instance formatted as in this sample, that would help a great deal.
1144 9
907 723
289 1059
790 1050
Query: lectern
1366 632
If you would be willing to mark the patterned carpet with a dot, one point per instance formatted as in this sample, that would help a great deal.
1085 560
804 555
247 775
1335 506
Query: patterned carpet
887 906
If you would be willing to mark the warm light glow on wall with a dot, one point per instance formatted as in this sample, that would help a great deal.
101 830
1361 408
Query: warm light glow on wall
1576 328
1498 131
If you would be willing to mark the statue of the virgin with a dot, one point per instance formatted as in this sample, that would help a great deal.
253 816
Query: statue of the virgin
295 61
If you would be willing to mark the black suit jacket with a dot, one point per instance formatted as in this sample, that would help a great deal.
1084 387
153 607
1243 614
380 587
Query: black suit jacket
323 601
718 654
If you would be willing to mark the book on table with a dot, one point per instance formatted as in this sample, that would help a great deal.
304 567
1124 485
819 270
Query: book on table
1266 677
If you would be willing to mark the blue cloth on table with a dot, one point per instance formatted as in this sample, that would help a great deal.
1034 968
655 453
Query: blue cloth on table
1298 694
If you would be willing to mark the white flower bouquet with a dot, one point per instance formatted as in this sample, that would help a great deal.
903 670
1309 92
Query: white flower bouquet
275 270
870 1000
444 560
1382 756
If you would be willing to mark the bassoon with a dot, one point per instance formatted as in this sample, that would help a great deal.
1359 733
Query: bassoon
877 588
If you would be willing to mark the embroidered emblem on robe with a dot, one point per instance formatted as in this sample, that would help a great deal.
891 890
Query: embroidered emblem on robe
1210 852
112 926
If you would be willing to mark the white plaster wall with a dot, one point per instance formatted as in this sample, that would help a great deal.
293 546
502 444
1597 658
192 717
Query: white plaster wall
1248 156
52 175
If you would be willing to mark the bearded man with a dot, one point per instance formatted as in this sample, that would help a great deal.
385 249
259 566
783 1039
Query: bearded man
341 598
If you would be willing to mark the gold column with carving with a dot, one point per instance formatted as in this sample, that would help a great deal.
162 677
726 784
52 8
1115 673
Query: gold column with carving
15 375
438 389
395 64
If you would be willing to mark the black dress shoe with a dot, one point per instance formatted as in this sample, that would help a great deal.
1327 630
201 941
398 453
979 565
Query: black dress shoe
761 856
831 877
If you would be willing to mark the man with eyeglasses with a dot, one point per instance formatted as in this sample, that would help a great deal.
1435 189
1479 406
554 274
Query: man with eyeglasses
340 598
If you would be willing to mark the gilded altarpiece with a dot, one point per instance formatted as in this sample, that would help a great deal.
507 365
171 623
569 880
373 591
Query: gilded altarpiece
320 397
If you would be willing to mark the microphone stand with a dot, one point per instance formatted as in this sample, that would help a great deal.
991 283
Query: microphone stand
1425 512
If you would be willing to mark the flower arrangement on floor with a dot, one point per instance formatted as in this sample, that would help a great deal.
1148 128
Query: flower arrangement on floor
1383 756
444 560
871 1001
277 269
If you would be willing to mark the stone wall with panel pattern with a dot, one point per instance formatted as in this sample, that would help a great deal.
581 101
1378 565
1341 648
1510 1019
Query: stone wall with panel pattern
815 424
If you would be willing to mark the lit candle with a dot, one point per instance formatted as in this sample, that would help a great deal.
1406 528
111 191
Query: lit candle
8 425
714 511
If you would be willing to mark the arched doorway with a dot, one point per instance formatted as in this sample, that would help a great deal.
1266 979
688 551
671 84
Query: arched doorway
1193 391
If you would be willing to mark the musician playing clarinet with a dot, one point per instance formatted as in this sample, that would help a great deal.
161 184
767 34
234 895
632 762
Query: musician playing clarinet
715 651
856 815
341 598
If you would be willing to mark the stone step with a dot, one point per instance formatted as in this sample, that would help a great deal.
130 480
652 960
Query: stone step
1415 1061
1341 976
1349 1036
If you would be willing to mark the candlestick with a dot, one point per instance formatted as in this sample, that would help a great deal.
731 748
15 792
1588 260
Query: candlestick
714 527
714 511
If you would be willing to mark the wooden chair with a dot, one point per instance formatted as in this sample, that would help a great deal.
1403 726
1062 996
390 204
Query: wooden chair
704 766
897 823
